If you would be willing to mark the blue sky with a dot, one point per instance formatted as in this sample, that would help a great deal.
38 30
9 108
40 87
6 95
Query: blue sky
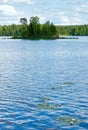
61 12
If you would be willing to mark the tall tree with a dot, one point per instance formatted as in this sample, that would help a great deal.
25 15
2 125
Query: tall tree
23 21
24 33
34 27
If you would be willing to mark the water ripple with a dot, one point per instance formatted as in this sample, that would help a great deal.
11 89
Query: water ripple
43 85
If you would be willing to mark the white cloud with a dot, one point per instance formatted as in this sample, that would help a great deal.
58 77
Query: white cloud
8 14
63 18
80 14
8 22
17 1
57 16
9 10
70 12
82 8
41 17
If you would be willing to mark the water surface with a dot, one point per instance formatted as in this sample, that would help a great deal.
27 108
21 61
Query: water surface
44 84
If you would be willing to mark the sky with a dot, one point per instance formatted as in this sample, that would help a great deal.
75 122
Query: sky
60 12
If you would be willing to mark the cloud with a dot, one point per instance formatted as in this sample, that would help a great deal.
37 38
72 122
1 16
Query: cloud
83 9
8 22
17 1
63 18
57 16
8 14
9 10
80 14
64 12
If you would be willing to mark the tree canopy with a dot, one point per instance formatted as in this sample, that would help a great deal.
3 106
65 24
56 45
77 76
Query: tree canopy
35 30
23 21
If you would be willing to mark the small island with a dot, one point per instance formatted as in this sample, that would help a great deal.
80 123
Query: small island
34 30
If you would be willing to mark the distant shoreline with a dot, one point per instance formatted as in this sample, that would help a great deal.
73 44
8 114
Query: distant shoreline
62 37
47 38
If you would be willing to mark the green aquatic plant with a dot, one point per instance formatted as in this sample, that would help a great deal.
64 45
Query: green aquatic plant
68 120
45 99
48 106
60 87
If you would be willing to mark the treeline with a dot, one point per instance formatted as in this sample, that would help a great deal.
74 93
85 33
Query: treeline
35 30
74 30
31 30
10 30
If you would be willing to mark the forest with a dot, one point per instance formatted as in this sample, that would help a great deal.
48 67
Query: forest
73 30
35 30
31 30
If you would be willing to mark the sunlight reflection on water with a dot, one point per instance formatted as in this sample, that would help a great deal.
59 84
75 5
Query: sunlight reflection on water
43 84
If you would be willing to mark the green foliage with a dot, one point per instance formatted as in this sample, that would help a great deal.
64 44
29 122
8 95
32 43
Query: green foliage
69 120
49 30
53 29
23 21
10 30
35 30
34 27
74 30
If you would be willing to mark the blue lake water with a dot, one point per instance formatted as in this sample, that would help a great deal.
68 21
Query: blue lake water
44 84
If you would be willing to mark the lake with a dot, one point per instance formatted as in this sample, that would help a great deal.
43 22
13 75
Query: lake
44 84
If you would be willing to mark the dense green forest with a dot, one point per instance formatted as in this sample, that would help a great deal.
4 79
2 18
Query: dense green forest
74 30
31 30
34 29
